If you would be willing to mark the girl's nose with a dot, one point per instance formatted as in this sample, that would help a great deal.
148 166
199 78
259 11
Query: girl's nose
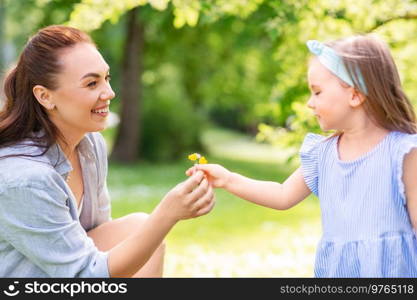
310 103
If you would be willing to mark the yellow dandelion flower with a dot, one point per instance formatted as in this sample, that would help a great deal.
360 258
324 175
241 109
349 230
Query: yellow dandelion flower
202 160
197 158
194 156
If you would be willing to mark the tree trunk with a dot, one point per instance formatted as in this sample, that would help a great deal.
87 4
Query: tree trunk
126 147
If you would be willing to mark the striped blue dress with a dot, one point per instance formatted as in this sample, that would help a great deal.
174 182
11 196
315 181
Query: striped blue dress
366 228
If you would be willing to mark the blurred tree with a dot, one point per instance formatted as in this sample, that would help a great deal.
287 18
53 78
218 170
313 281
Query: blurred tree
126 147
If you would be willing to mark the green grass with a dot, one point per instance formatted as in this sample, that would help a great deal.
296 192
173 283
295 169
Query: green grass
238 238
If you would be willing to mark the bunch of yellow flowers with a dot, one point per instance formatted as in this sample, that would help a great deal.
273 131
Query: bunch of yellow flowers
197 158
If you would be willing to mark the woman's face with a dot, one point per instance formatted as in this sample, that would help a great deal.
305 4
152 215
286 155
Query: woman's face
83 95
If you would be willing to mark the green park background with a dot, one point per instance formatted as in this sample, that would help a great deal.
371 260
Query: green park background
225 78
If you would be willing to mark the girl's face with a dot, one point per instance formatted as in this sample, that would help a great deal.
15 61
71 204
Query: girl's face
329 100
83 95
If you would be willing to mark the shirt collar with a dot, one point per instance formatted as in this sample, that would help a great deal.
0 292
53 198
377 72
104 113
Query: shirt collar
57 158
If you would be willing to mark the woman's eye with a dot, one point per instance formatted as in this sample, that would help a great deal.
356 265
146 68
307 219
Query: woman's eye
108 77
317 93
92 84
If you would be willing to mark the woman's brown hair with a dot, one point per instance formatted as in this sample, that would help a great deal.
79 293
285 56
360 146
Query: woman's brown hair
38 64
385 100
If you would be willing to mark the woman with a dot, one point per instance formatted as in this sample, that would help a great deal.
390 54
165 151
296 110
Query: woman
54 205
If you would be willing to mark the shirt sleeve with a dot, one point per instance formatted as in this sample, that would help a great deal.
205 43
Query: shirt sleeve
404 147
36 221
309 156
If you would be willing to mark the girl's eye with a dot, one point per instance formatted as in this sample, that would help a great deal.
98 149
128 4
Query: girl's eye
108 77
317 93
92 84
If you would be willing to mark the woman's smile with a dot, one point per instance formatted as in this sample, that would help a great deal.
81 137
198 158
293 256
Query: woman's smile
102 111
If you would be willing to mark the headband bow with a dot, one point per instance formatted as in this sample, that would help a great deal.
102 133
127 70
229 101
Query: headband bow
332 61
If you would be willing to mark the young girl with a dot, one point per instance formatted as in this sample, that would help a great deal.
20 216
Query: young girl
54 205
364 174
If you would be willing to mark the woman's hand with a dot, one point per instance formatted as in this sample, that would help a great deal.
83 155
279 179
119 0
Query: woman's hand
191 198
217 175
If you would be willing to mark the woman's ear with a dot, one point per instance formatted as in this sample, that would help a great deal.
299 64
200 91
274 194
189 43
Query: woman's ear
357 98
43 96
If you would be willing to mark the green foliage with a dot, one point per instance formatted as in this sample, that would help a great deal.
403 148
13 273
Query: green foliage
290 137
170 126
225 67
24 18
91 14
170 130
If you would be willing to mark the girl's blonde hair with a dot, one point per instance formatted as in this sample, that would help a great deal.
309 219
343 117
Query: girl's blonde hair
385 100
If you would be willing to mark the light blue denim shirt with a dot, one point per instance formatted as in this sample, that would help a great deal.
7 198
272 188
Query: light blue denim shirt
41 234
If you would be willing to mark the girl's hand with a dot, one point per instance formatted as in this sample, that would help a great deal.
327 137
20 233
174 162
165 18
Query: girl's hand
191 198
217 175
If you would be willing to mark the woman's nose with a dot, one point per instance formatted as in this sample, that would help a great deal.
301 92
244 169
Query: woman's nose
108 94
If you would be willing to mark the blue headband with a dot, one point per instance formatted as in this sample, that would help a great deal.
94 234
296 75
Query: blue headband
332 61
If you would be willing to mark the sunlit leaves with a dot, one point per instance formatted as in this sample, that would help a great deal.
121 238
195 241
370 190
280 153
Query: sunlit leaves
90 14
186 12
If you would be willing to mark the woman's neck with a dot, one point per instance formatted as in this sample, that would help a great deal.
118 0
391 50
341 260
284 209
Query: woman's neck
70 138
69 143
